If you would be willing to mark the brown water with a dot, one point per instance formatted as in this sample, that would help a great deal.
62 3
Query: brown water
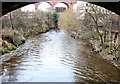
56 57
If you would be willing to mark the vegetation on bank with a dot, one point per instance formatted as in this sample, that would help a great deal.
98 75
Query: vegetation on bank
100 29
20 25
68 20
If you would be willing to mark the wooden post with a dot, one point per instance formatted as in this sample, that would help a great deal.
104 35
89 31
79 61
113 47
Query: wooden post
11 20
119 22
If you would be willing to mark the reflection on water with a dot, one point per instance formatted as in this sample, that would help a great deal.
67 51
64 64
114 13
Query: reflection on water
56 57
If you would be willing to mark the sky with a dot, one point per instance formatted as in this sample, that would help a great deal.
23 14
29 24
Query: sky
43 6
30 8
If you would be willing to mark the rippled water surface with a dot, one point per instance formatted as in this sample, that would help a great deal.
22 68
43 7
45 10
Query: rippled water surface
56 57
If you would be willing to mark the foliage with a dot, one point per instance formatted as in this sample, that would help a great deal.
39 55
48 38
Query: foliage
95 26
55 19
52 19
109 37
7 47
28 23
68 20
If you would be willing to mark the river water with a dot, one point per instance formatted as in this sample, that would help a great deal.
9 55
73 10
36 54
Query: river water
56 57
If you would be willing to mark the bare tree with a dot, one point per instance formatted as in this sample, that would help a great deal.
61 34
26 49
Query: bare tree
95 20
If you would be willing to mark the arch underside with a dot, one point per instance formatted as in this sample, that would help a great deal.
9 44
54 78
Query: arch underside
10 6
65 4
49 3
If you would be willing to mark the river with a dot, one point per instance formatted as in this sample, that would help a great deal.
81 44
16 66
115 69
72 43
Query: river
56 57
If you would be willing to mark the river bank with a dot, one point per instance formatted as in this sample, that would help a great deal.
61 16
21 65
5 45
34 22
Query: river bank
95 47
11 39
18 51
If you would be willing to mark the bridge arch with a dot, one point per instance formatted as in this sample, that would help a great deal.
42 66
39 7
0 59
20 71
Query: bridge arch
8 7
44 6
60 7
49 3
65 4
